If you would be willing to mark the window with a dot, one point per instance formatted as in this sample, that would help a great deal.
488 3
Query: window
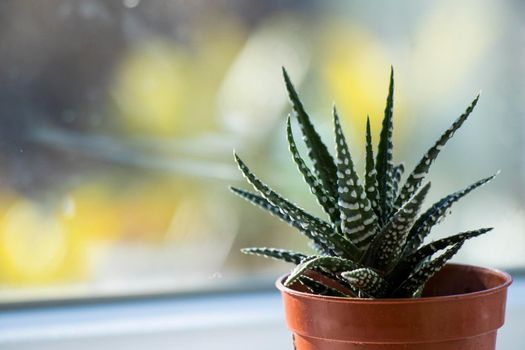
119 119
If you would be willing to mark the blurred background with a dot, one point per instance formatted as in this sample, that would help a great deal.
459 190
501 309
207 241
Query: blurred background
118 121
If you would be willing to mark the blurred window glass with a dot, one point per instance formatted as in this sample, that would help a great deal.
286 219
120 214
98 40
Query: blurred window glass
119 119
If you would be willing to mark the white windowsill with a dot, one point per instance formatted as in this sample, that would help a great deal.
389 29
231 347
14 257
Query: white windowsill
237 321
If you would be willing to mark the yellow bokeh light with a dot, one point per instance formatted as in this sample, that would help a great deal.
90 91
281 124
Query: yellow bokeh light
35 248
148 88
89 211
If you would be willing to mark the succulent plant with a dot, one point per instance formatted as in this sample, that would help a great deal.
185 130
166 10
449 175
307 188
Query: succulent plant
371 244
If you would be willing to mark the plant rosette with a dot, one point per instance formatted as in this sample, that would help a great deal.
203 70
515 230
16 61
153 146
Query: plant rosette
372 283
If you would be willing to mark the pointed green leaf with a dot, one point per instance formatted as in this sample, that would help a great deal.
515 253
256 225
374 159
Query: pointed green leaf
386 250
421 276
261 202
326 201
278 254
420 171
324 165
319 288
358 220
384 163
331 263
336 276
436 213
370 174
344 248
411 262
433 247
322 233
339 245
368 281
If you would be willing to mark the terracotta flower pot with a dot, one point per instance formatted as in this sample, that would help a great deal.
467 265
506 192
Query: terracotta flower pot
461 309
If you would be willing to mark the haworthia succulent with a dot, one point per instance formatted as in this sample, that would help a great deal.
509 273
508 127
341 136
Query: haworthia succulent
421 276
324 165
371 245
319 288
421 169
387 247
324 198
368 281
371 173
333 264
358 220
384 163
436 213
278 254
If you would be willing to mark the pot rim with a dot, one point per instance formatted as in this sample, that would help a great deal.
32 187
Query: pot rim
507 282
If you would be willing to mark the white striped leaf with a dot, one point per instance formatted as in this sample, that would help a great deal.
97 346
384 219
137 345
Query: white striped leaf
368 281
323 163
411 262
370 173
261 202
327 202
430 249
321 232
396 179
384 163
277 254
421 276
387 248
420 171
436 213
319 288
358 220
332 263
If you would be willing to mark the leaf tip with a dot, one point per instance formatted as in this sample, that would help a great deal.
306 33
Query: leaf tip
334 111
286 76
349 277
288 281
475 101
238 160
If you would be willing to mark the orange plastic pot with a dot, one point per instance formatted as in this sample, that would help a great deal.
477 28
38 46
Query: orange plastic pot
461 309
